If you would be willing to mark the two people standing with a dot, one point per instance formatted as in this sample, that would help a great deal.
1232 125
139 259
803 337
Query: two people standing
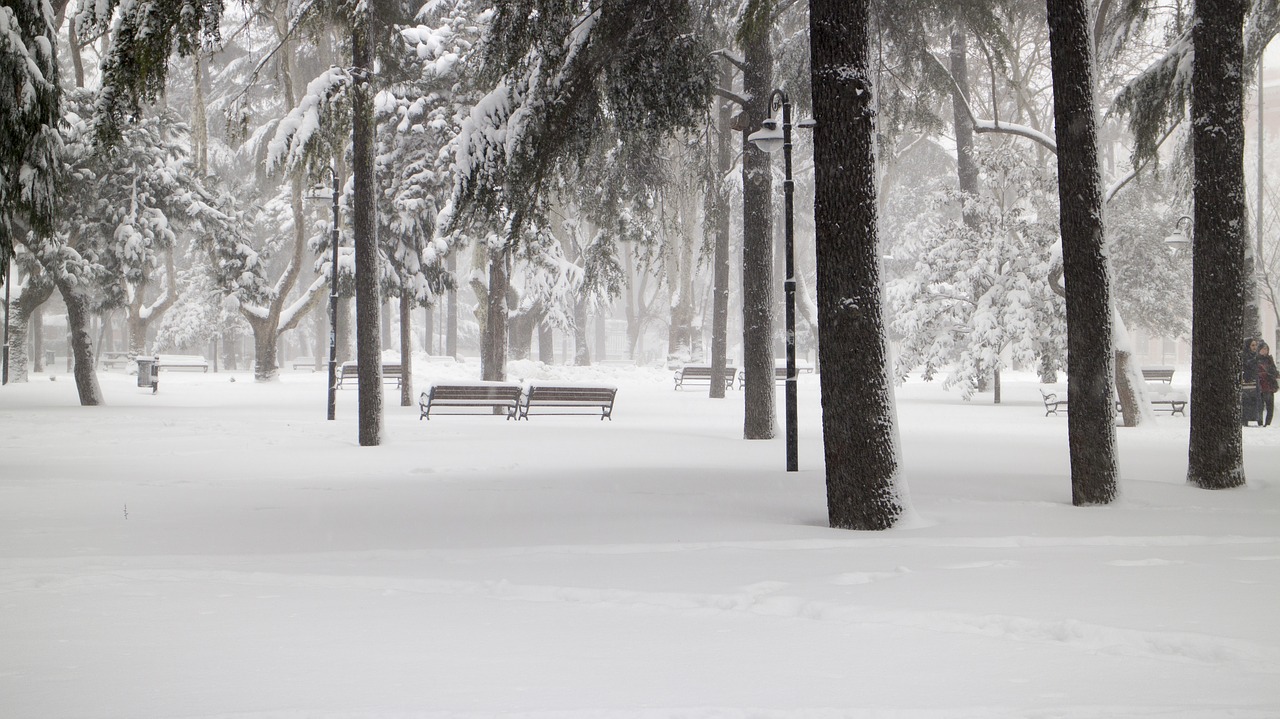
1259 381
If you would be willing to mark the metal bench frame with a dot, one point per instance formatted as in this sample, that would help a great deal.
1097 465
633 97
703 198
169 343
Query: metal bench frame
451 394
564 399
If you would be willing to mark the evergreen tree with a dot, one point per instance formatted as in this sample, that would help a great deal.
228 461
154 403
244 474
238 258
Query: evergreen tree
28 120
979 288
564 76
1216 454
858 418
1091 428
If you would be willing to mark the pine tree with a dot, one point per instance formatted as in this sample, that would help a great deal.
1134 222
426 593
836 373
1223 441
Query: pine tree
28 120
858 419
1091 427
1216 453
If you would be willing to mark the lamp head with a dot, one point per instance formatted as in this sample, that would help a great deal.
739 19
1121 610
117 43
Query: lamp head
769 137
1179 240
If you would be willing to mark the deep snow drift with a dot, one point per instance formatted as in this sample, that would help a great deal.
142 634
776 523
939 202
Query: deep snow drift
220 550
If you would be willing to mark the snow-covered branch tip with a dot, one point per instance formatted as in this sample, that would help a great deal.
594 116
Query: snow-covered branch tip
996 126
296 133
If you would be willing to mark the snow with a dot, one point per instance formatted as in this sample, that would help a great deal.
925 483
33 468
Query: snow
220 550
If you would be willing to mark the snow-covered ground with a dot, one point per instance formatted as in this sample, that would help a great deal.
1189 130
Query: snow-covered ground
220 550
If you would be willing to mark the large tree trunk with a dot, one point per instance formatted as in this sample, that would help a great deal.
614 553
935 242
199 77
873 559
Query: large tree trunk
858 417
1091 424
1216 452
368 310
493 364
717 222
760 420
265 350
78 315
22 326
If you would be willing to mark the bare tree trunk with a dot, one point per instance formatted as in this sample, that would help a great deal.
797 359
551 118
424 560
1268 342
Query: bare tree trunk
1090 373
858 419
37 339
1216 452
368 309
451 314
494 359
759 415
546 344
78 315
406 349
346 330
717 221
23 325
429 329
966 166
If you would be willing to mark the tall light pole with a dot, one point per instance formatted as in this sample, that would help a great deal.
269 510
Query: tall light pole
333 298
769 139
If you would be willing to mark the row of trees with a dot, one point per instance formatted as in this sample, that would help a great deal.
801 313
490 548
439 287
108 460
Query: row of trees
565 141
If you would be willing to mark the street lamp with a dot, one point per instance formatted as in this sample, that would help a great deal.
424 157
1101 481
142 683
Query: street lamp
1179 240
770 138
333 297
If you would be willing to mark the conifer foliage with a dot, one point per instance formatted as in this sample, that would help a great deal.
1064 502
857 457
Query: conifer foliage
28 118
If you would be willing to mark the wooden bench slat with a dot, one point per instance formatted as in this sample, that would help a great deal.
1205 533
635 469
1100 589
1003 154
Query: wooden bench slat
701 374
391 372
497 395
566 397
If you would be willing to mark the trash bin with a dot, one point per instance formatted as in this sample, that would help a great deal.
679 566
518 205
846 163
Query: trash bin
149 372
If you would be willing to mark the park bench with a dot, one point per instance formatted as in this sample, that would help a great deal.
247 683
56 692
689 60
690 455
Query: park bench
192 362
701 374
304 363
1158 374
1051 402
543 398
470 395
779 372
391 372
1163 399
1172 405
116 360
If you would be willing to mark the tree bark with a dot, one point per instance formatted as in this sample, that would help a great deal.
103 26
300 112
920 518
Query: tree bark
717 222
78 315
494 359
858 418
759 415
23 326
451 311
368 309
966 166
1090 372
406 349
1216 452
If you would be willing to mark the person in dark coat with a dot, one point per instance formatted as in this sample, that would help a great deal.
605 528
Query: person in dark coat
1250 400
1268 383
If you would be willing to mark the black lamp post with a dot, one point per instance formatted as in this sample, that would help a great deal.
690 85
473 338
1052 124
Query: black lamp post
770 138
333 298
